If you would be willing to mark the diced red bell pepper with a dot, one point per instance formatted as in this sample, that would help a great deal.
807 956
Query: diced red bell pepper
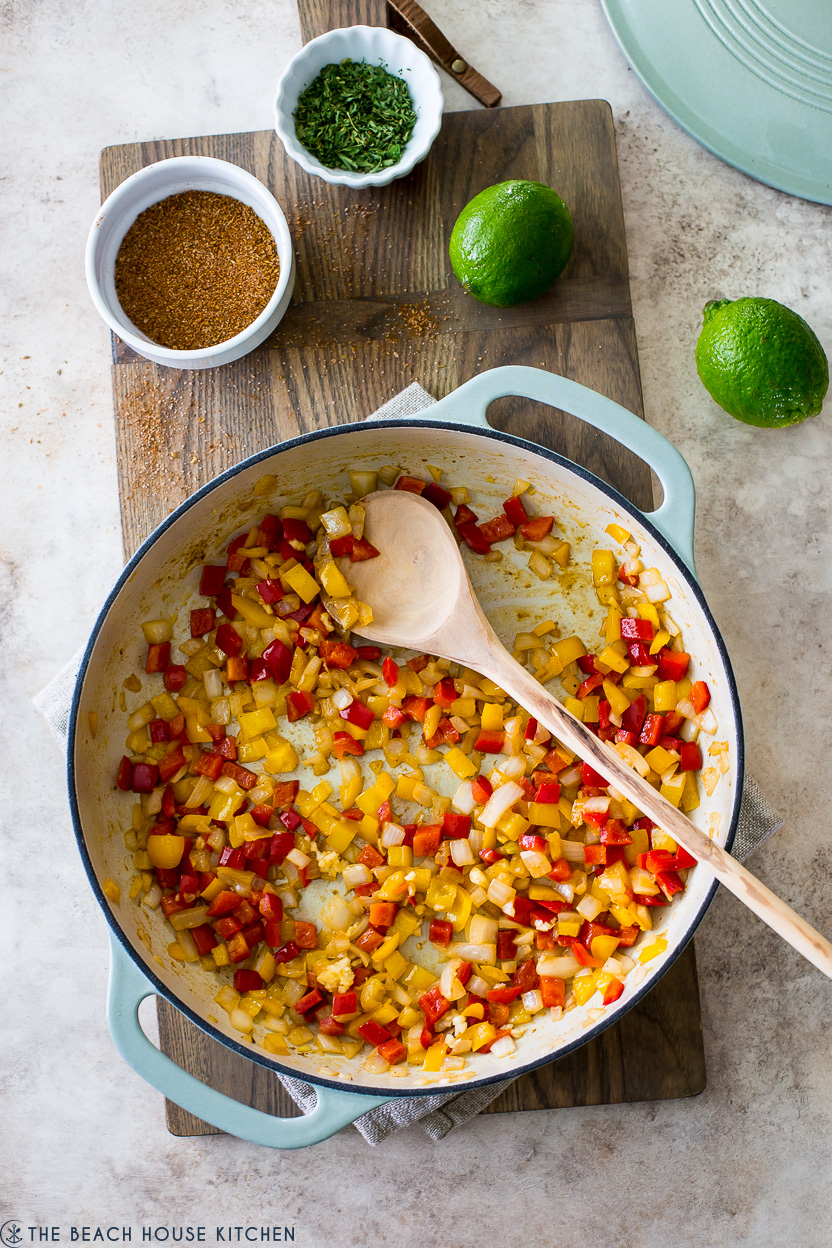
418 663
588 664
561 870
306 935
515 510
255 850
309 1001
175 677
261 816
393 717
633 717
648 899
341 547
651 730
588 686
338 654
247 981
481 788
414 485
296 531
464 515
373 1032
455 826
393 1051
490 741
286 953
236 668
344 1003
226 926
271 532
234 858
245 778
690 756
390 671
158 657
359 714
158 731
437 494
278 658
284 793
271 933
553 991
416 707
343 744
225 902
212 580
176 727
170 763
145 777
536 528
504 993
371 654
426 841
433 1004
298 704
639 655
673 664
208 765
614 832
444 693
592 779
595 855
506 947
473 536
271 907
270 591
382 913
613 991
441 932
625 737
635 629
225 603
548 792
369 940
700 696
229 640
124 775
203 620
204 939
329 1026
362 550
226 747
497 530
669 883
238 950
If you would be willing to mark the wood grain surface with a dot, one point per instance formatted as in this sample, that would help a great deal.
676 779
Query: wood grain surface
377 306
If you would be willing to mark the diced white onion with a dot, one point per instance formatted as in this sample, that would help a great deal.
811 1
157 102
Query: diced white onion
342 698
707 722
566 890
356 874
533 1000
560 967
201 791
153 896
599 804
572 851
482 931
536 864
589 907
336 914
298 859
689 730
157 631
478 986
463 800
212 680
500 893
449 985
513 768
461 853
485 954
392 834
500 801
571 776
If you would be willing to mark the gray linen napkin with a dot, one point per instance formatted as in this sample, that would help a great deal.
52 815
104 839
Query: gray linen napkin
437 1115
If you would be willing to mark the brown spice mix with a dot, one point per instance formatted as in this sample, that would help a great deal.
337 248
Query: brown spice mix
195 269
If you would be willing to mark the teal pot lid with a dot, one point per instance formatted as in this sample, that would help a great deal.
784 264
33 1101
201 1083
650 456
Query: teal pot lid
750 79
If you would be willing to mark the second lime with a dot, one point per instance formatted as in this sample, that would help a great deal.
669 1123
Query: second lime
511 242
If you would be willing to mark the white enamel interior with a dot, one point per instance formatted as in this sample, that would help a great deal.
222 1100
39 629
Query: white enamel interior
147 187
513 600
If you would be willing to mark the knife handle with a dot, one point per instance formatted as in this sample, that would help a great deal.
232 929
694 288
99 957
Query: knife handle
411 19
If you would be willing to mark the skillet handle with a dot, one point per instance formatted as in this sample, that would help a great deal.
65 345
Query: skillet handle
674 519
127 988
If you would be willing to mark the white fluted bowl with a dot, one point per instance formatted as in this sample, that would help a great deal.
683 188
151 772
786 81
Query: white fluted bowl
377 46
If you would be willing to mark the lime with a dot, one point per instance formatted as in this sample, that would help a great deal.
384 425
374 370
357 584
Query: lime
511 241
761 362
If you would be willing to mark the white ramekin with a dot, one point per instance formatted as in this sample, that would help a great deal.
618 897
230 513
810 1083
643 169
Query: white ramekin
377 46
147 187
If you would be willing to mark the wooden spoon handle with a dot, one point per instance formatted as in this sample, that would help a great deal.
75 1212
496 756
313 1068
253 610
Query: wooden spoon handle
509 674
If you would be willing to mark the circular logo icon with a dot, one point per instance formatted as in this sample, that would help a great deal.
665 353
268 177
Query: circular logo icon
11 1233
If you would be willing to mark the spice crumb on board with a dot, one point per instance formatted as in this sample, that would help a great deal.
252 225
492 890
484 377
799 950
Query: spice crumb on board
195 269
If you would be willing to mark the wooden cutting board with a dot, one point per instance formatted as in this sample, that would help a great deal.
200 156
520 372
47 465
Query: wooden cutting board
377 306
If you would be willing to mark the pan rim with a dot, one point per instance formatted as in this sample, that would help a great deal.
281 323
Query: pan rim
262 1058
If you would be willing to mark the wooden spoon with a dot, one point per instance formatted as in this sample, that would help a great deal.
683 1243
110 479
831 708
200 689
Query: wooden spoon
422 599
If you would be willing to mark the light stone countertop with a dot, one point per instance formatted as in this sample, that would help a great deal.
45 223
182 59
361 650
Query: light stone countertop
82 1138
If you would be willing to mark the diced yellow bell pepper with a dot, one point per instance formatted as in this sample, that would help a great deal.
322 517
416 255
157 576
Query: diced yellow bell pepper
342 834
610 658
406 923
252 612
652 951
255 723
422 877
409 1016
474 1011
441 894
385 1014
569 925
663 840
405 786
221 955
640 844
394 887
384 950
211 889
251 751
617 533
583 986
690 796
665 696
603 947
435 1056
460 911
660 759
459 764
164 706
674 788
603 567
569 649
368 827
543 892
417 979
280 759
395 966
619 702
466 707
480 1034
661 639
647 611
194 731
545 814
575 707
333 581
591 711
349 792
400 856
612 627
304 584
513 826
165 851
492 716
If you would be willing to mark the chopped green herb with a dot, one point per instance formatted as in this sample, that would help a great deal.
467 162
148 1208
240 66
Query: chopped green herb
355 116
